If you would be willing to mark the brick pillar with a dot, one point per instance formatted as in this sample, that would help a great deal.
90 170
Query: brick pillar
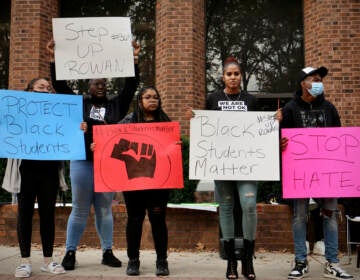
332 38
30 30
180 56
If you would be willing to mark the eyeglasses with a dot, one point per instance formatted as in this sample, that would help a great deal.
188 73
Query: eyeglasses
148 97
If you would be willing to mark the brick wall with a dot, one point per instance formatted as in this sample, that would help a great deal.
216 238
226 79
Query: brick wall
332 39
180 56
30 30
188 229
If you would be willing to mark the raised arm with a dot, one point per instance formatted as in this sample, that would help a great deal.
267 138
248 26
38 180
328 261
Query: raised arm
59 86
131 84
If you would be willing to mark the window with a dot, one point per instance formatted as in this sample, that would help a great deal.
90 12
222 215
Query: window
266 36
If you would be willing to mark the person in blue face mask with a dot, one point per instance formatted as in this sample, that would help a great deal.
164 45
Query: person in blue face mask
309 108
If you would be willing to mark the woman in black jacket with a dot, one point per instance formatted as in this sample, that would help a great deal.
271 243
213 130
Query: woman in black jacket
98 110
148 109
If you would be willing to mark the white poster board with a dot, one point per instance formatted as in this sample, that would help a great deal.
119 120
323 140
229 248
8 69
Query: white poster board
87 48
234 146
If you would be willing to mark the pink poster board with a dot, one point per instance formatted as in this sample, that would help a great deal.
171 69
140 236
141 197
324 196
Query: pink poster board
137 157
321 162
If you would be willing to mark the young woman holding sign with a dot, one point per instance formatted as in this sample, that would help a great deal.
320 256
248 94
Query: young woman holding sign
232 98
148 109
98 110
227 191
35 180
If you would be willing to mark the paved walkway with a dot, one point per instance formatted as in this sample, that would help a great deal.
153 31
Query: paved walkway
183 265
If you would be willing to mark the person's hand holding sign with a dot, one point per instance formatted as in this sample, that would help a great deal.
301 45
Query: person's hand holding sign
136 47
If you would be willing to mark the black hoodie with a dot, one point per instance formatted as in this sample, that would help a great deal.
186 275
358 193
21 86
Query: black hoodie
115 107
299 114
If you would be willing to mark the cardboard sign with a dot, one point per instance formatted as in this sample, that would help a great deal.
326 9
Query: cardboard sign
41 126
137 157
88 48
234 146
321 162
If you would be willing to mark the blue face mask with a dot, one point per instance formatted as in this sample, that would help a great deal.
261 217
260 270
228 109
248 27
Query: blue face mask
316 89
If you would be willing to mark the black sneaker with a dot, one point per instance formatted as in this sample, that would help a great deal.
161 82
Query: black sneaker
133 267
68 261
110 260
334 271
162 268
299 271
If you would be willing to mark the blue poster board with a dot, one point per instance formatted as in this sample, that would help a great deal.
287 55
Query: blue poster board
41 126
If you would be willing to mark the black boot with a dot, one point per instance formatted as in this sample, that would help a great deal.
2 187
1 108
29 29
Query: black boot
231 271
133 268
162 267
68 261
247 260
110 260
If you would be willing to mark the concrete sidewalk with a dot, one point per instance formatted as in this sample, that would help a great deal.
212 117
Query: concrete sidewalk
182 265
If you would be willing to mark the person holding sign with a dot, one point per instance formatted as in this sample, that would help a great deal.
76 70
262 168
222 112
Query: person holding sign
148 109
35 180
232 98
309 108
98 110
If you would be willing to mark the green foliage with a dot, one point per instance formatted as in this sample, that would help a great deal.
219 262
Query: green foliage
266 36
270 191
187 193
142 15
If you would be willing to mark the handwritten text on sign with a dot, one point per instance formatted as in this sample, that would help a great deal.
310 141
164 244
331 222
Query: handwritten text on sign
93 48
40 126
234 146
137 157
321 162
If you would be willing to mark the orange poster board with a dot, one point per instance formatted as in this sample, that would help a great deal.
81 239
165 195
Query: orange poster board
137 157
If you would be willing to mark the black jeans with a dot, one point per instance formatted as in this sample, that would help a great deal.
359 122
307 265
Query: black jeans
137 202
39 181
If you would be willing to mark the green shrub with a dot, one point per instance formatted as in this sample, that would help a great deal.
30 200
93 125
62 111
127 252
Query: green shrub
270 191
187 193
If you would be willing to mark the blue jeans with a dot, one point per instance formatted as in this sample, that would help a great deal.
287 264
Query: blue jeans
247 191
83 196
330 227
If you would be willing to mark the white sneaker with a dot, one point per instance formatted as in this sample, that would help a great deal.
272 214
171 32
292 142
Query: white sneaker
299 271
53 268
23 271
334 271
319 248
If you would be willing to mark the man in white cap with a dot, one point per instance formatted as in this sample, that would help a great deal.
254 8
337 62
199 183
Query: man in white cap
309 108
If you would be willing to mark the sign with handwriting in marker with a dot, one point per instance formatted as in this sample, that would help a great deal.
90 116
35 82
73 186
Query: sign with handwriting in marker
234 146
98 47
321 162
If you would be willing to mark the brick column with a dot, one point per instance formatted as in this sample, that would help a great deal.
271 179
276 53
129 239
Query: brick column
180 56
30 30
332 38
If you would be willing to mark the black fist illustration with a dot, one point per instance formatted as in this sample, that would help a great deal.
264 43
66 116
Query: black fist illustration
139 158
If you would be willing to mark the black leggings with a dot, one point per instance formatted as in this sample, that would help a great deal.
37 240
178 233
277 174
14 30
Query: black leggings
39 180
137 202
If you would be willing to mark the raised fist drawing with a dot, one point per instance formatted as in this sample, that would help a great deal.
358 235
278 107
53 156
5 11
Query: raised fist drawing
139 158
